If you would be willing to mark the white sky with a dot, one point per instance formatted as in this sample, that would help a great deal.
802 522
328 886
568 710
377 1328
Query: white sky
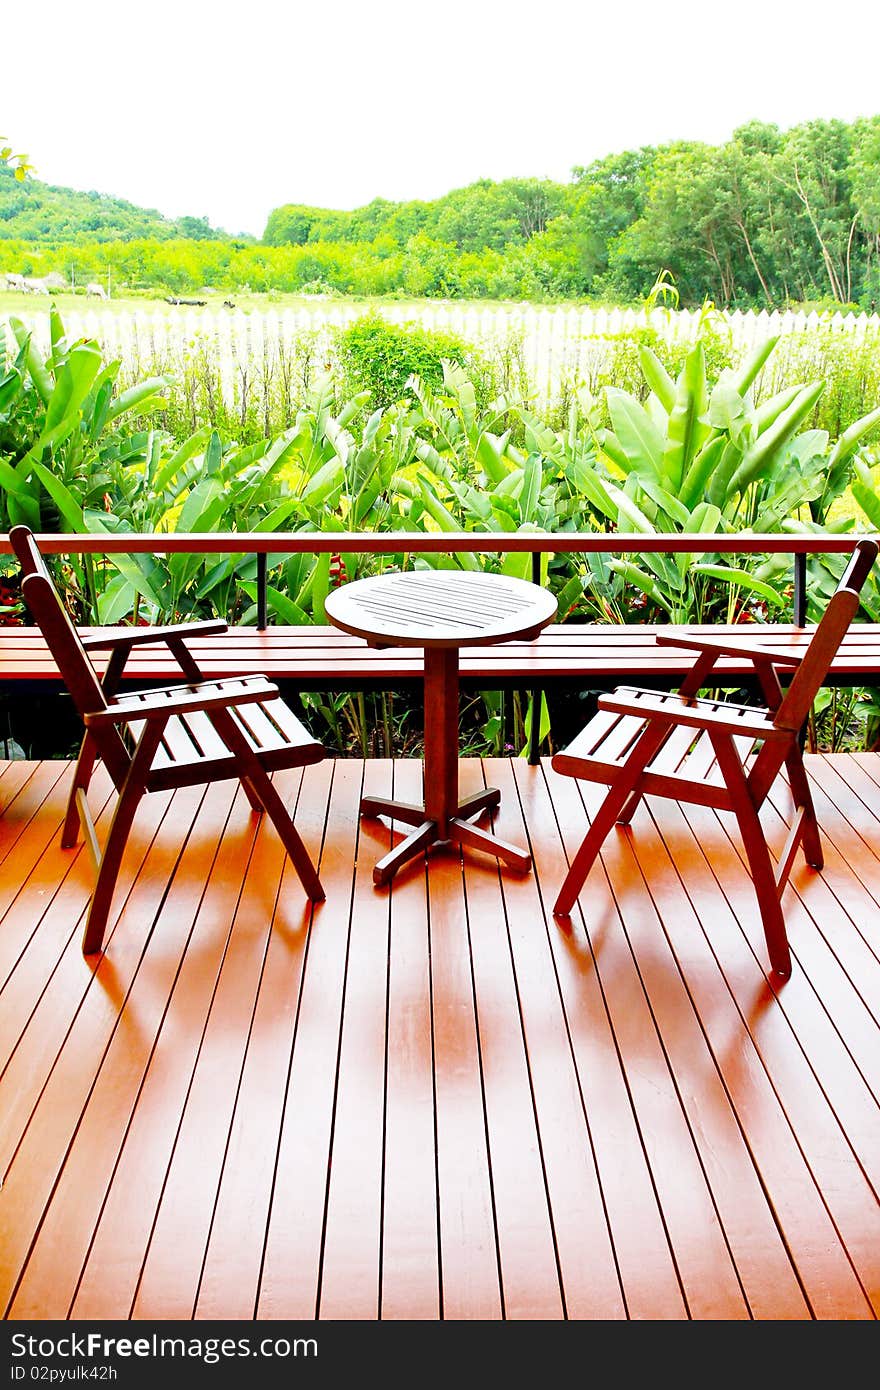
228 108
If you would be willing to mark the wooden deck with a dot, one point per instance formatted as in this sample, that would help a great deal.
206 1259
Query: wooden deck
432 1101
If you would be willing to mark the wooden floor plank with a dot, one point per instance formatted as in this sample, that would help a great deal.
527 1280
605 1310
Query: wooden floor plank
709 1278
48 909
174 1148
233 1261
754 1060
26 828
350 1271
840 962
292 1259
832 1015
44 926
701 1031
57 1257
530 1275
762 1265
851 780
13 775
245 900
24 790
435 1100
589 1275
848 812
468 1238
852 875
40 1157
410 1269
790 1032
648 1274
43 996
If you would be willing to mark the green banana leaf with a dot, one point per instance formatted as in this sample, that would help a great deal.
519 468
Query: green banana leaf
144 396
73 381
70 510
639 438
657 377
693 489
686 432
285 608
752 365
770 441
36 367
865 493
633 574
742 579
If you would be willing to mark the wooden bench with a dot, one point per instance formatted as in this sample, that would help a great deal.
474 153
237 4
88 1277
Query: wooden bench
574 656
588 655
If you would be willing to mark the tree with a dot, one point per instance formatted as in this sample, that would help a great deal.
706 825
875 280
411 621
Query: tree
864 176
606 198
289 225
685 226
812 164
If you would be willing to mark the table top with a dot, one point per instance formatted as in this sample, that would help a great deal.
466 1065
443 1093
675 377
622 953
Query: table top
440 608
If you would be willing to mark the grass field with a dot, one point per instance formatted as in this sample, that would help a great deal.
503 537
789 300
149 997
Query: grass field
12 302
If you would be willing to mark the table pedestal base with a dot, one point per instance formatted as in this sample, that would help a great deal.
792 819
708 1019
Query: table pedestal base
459 829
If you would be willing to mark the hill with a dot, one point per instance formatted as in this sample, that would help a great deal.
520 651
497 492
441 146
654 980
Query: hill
767 219
44 214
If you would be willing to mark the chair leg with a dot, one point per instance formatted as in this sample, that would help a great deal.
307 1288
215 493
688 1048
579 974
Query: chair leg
130 793
252 771
764 879
800 790
757 854
629 809
81 777
586 855
108 870
251 794
620 793
290 837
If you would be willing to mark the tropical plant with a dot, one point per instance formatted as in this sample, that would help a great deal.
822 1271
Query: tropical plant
697 458
62 433
689 453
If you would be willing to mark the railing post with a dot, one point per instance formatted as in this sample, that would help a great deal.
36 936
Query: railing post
535 731
799 599
799 606
262 595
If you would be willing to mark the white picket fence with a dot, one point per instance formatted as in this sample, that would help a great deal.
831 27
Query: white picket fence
557 341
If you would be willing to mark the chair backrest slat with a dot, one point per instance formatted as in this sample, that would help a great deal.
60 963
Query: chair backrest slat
63 641
829 634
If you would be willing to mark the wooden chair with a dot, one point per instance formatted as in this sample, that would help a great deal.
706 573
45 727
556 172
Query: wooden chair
713 753
155 740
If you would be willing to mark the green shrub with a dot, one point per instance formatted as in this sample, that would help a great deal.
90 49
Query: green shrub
380 357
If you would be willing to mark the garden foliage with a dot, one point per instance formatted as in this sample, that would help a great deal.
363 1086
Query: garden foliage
693 451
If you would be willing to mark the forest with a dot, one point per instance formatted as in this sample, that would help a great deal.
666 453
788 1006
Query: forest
769 218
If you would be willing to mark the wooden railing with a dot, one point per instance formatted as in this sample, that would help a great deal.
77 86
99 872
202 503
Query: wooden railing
263 544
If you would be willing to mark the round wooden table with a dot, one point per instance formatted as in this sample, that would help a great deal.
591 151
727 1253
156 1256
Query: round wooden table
440 611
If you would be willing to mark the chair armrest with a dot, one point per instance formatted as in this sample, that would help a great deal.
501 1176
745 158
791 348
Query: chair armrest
722 646
143 636
696 714
171 700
